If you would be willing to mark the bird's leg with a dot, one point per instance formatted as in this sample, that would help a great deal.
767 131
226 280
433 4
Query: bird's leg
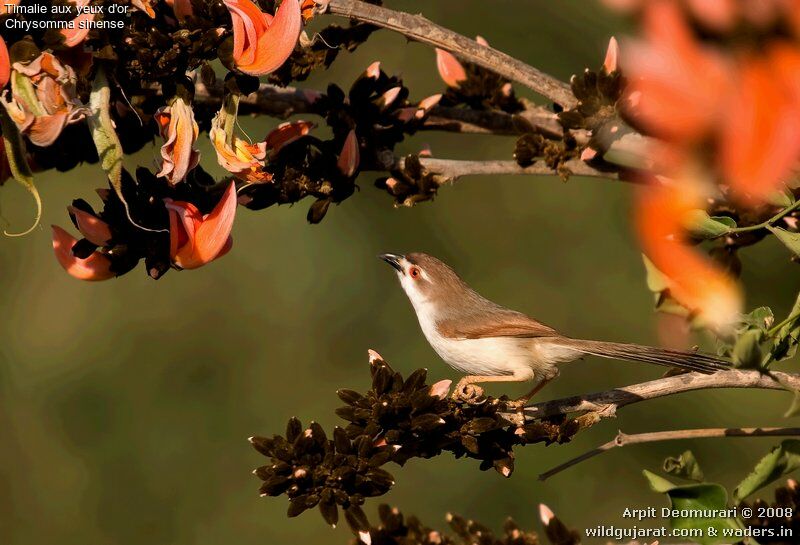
466 390
520 403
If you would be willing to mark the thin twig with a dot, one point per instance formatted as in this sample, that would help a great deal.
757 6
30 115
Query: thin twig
608 402
624 439
422 30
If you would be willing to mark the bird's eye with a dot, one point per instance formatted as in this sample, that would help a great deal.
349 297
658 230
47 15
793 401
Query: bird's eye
414 272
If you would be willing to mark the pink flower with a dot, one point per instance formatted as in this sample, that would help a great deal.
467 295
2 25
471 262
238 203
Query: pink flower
5 64
196 239
179 130
95 267
262 43
349 157
450 69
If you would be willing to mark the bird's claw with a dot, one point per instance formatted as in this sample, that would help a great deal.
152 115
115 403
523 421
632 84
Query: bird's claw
469 393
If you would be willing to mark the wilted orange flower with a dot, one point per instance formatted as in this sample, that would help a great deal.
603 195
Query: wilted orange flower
43 99
244 160
95 267
197 239
261 42
179 130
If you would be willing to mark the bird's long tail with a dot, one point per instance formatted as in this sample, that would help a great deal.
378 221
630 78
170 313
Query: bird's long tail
689 361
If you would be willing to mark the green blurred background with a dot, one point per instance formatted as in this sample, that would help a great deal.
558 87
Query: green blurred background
125 405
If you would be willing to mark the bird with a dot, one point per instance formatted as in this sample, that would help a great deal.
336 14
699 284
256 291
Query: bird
491 343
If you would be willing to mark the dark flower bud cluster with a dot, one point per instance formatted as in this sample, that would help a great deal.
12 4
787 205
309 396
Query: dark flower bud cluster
329 473
395 529
786 497
483 90
596 113
411 184
396 420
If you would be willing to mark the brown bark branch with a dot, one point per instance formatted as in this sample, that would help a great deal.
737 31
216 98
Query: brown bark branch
451 169
624 439
417 27
283 102
607 403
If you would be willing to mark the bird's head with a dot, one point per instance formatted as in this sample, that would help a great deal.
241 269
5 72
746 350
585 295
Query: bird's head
425 279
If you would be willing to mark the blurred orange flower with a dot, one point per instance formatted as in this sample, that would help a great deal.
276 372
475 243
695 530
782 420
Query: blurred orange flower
5 64
196 239
261 42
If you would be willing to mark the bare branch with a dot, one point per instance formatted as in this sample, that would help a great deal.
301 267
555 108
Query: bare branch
283 102
422 30
450 169
606 403
624 439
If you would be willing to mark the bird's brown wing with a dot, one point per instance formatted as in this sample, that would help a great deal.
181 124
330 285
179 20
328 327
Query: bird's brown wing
495 323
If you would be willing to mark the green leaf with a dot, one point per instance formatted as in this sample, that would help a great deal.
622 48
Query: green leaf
781 460
786 335
684 466
656 281
18 164
761 318
702 225
790 240
696 496
746 353
104 135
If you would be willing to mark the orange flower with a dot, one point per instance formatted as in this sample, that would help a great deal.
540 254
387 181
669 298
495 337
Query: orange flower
75 35
262 43
181 8
675 83
661 212
196 239
450 69
286 133
95 267
6 4
760 138
5 64
179 130
144 5
43 99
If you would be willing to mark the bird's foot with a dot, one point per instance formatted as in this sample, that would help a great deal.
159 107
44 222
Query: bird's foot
468 393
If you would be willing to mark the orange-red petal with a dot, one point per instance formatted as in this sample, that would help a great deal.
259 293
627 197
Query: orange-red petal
91 227
5 64
286 133
214 231
261 43
95 267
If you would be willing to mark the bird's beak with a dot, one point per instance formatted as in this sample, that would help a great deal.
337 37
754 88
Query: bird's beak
393 260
